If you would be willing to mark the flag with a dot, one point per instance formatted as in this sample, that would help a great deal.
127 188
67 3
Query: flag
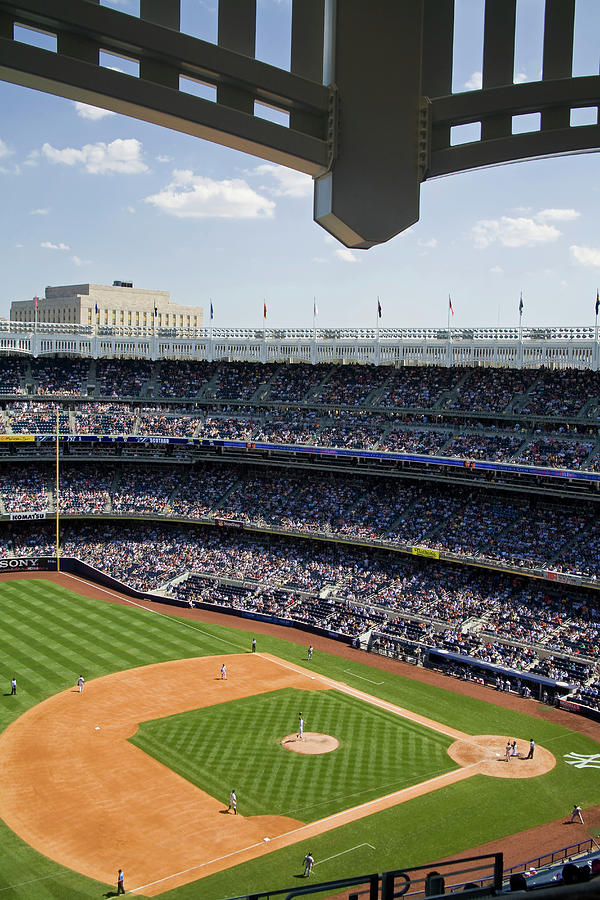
521 305
264 310
378 309
212 312
597 301
96 309
315 310
37 309
155 311
450 304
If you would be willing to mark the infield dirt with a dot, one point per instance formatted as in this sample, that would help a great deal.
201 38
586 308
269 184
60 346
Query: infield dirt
77 791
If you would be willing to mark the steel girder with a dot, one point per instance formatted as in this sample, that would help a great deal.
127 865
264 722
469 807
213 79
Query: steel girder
369 94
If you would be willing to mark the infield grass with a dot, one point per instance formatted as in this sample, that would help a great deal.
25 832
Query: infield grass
238 744
48 636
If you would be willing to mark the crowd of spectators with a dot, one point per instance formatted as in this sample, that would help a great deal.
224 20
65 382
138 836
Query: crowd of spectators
358 430
561 394
491 390
475 523
484 616
557 454
59 376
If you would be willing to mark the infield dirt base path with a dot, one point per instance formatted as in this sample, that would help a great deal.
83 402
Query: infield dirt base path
80 793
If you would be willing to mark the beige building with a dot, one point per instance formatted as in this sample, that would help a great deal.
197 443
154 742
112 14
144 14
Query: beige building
117 305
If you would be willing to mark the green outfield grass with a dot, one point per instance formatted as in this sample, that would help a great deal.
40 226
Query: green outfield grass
49 635
238 744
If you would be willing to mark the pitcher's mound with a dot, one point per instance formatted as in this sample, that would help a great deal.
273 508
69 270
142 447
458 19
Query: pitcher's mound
312 742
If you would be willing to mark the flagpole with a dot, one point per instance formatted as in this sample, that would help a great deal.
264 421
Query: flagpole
314 318
521 318
377 320
597 308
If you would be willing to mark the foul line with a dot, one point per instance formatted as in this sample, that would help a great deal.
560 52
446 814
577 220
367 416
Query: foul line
335 855
33 881
209 862
362 678
154 611
376 701
318 824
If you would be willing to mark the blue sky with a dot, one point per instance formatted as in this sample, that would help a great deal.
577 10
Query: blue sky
92 197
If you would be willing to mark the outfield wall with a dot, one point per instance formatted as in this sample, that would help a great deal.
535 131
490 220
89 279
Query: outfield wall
433 658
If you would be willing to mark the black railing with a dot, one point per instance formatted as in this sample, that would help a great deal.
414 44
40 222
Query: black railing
474 872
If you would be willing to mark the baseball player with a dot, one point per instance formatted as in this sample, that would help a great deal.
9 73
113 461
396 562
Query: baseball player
310 652
120 882
514 751
13 686
300 727
308 864
254 645
508 750
223 672
577 813
80 682
531 749
232 803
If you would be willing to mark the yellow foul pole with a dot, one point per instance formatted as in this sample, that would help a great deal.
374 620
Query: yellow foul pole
57 495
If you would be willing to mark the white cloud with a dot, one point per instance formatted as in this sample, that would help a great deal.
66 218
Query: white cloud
130 209
475 81
4 150
163 159
497 270
428 244
557 215
39 212
48 245
519 78
346 255
81 262
32 159
288 182
121 156
190 196
93 113
509 232
585 256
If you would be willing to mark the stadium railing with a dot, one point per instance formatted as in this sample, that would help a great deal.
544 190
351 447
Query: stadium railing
480 875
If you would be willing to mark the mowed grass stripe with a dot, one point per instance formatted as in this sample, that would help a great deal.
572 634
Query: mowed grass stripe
440 824
238 744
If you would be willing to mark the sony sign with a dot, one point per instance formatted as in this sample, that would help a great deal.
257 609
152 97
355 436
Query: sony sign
26 562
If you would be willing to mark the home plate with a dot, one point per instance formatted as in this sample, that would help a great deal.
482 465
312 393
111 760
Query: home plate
267 840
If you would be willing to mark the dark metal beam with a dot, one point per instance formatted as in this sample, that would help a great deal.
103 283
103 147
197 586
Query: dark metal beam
151 102
372 190
516 99
369 93
118 32
515 148
498 59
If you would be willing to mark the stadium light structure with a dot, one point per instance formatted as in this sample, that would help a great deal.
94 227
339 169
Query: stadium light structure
368 95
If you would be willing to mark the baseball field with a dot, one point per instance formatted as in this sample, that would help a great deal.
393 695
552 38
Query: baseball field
135 771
